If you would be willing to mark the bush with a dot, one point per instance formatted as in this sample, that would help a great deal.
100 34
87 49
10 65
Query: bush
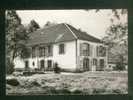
57 69
119 66
13 82
9 66
35 83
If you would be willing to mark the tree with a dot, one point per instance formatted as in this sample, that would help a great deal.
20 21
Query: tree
48 23
117 35
33 26
117 38
16 37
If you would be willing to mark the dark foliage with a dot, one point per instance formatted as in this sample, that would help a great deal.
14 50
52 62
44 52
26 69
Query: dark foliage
13 82
9 66
57 69
33 26
119 66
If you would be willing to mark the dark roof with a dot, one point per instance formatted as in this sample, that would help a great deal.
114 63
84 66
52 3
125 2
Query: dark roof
83 35
58 33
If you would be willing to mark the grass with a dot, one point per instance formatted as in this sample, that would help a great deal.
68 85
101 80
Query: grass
70 83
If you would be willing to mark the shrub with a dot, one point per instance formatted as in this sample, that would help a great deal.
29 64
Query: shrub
119 66
57 69
35 83
9 66
13 82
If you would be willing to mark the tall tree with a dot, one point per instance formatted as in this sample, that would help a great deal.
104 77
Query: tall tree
33 26
117 37
16 37
117 34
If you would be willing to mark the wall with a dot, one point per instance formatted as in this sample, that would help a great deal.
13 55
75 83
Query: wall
66 61
92 55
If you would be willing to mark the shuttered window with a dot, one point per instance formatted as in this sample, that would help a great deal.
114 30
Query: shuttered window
61 49
91 50
50 50
101 51
101 63
84 49
26 64
41 51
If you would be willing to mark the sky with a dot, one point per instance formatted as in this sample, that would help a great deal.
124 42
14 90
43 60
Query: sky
91 22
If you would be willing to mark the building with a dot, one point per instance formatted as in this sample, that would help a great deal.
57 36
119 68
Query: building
70 48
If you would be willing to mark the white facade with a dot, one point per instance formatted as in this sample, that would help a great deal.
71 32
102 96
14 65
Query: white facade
70 59
93 54
65 61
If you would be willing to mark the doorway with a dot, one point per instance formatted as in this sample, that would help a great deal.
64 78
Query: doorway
86 64
42 65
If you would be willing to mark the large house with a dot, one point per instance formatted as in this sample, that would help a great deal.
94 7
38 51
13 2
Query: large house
63 44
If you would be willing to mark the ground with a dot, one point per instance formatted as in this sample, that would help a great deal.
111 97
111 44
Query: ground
69 83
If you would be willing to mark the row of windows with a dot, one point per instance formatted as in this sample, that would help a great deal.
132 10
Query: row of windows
42 64
87 49
87 61
43 51
47 51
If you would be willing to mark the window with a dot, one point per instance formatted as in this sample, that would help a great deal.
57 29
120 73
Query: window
86 64
50 50
101 51
101 62
85 49
33 63
49 64
41 51
95 62
26 64
33 52
42 63
61 49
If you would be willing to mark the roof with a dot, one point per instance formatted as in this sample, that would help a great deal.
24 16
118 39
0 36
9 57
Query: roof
58 33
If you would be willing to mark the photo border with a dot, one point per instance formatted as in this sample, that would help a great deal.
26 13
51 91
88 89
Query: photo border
65 4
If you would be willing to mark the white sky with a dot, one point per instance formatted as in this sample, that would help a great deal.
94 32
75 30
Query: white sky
89 21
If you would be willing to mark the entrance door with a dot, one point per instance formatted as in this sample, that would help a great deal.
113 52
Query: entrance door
42 65
26 65
86 64
49 64
101 64
94 67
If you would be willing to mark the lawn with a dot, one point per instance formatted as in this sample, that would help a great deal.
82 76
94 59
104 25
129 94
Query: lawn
86 83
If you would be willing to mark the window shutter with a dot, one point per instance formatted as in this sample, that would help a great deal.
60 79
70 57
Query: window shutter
88 49
51 50
46 52
91 50
97 51
81 50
